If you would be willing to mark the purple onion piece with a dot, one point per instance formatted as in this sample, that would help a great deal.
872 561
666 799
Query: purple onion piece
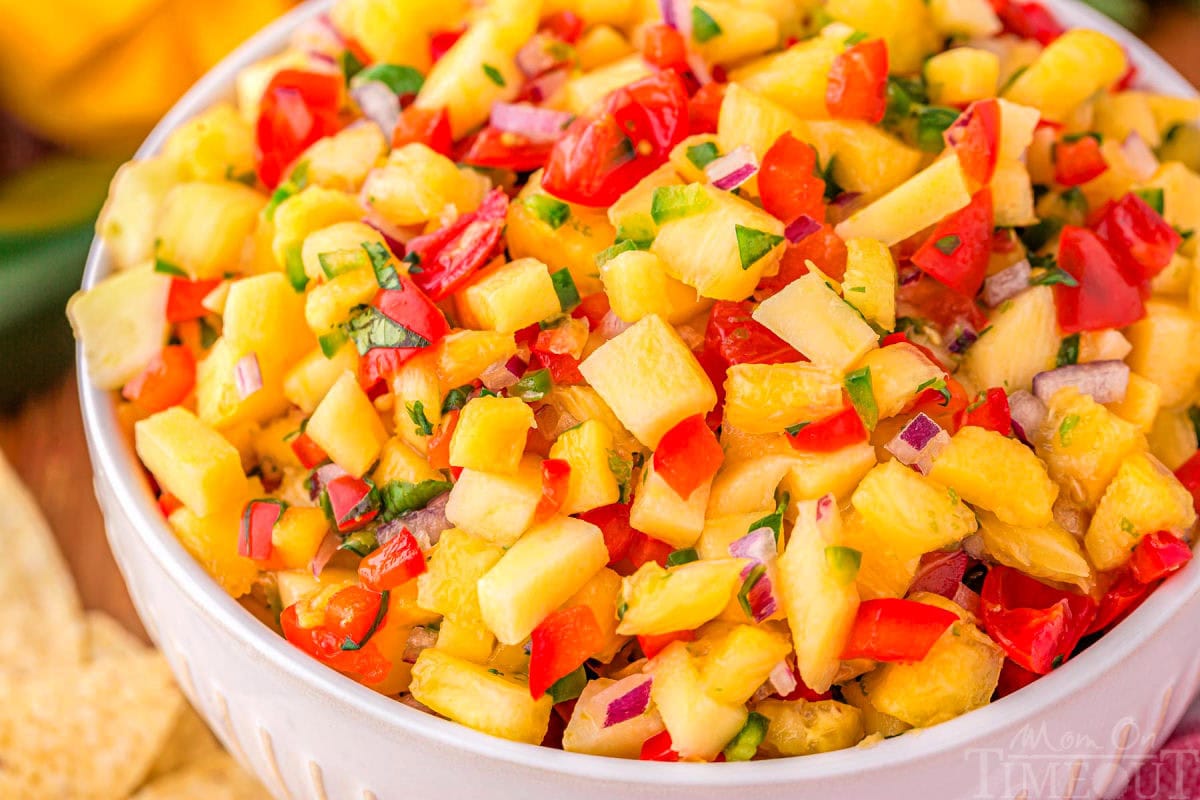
379 104
1028 414
920 432
632 703
247 375
782 679
534 123
803 227
428 524
963 341
761 598
846 198
733 169
421 638
758 545
1007 284
1105 381
918 443
327 550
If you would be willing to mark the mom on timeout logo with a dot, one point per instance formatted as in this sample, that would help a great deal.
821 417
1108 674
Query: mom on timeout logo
1040 765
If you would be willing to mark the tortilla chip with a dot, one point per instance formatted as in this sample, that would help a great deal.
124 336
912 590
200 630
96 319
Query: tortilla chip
88 733
41 619
107 638
190 742
217 777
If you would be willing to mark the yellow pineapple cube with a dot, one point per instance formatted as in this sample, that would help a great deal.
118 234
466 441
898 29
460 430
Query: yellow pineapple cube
583 403
659 511
1083 445
749 483
469 641
121 323
917 514
600 45
417 382
681 598
1023 341
582 92
631 211
497 507
314 374
392 32
650 379
924 199
448 587
883 572
264 316
213 541
344 239
962 75
720 532
1069 71
191 461
601 594
417 183
1048 552
905 26
1143 399
216 145
204 226
1144 497
637 286
1181 195
1173 437
1171 111
796 78
874 721
464 355
342 161
870 281
766 398
398 461
1118 114
801 728
812 318
476 696
1018 124
297 536
996 472
510 296
897 373
1164 346
303 213
330 304
738 660
586 732
814 475
747 118
547 565
347 427
218 401
1012 194
587 448
864 158
699 726
969 18
745 32
130 213
491 434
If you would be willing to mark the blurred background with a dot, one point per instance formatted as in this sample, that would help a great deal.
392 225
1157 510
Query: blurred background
81 84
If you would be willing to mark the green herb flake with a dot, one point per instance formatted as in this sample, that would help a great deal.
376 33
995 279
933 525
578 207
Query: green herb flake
609 253
401 497
932 122
456 398
564 287
939 386
402 80
856 38
704 27
1066 427
947 245
350 644
1057 661
370 328
844 562
622 470
361 543
685 556
677 202
294 267
622 608
533 387
862 396
1153 197
1127 526
1038 236
339 262
550 210
494 75
350 64
1054 276
167 268
208 334
752 578
569 686
416 412
953 495
745 745
381 262
792 430
754 244
774 520
332 342
703 154
1068 351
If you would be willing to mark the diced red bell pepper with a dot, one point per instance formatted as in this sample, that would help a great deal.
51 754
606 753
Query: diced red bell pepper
991 412
1104 297
644 549
258 521
652 645
948 413
308 452
168 504
599 158
1189 475
1121 599
948 311
593 308
166 381
613 522
441 41
338 642
352 613
449 257
1036 625
858 83
556 479
1138 236
940 573
439 443
413 310
565 25
352 501
297 109
1078 160
564 367
900 337
888 629
958 250
394 564
185 297
704 109
975 139
659 748
497 149
788 182
824 248
560 644
688 456
1158 555
424 126
735 337
830 434
1013 677
1028 20
664 47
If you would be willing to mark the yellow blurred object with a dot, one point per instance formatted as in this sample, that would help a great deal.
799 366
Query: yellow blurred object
95 77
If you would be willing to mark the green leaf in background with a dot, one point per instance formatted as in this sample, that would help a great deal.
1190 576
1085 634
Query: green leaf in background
1133 14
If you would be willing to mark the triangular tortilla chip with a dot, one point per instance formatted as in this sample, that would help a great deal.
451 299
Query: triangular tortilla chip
190 742
218 777
107 638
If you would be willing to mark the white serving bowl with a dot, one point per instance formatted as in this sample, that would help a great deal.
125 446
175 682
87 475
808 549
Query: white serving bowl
308 732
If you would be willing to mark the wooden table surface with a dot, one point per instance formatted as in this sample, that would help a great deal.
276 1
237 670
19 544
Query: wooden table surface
45 442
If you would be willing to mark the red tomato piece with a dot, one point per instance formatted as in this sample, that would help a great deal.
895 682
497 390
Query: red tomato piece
1013 677
556 479
565 25
975 139
991 411
1078 160
441 41
415 312
353 612
652 645
688 456
394 564
1138 236
428 127
593 308
704 109
824 248
858 83
659 748
664 47
560 645
1121 599
366 663
185 298
1028 20
931 301
308 452
1189 475
734 337
788 182
888 629
297 109
168 504
499 149
1036 625
449 257
1104 297
352 502
957 251
1158 555
258 521
830 434
644 549
166 381
940 573
613 522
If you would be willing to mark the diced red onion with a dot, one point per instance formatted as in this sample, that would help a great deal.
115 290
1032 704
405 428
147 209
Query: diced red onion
846 198
967 598
782 680
427 524
318 37
732 169
326 473
761 596
612 326
1105 381
534 123
1007 283
940 573
677 14
1140 158
1028 414
973 546
631 700
379 104
825 508
965 338
247 375
545 86
327 550
498 376
758 545
918 443
803 227
534 58
419 639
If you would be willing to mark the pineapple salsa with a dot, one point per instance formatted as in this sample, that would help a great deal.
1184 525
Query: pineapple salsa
692 381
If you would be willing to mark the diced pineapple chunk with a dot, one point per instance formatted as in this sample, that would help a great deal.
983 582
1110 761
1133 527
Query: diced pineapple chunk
995 472
1171 111
449 586
591 484
469 641
962 75
1023 341
1069 71
904 25
491 434
417 183
1173 437
417 382
812 318
213 541
582 92
724 249
637 286
766 398
583 403
191 461
297 536
302 214
121 323
699 726
130 214
600 45
897 373
478 697
969 18
924 199
399 462
1164 347
650 379
1118 114
347 427
958 675
216 145
339 238
496 507
749 483
883 572
659 511
586 732
601 594
330 304
915 513
874 720
204 226
393 32
870 281
747 118
1144 497
264 316
313 375
464 355
1012 195
1181 195
1048 552
745 32
864 158
801 728
814 475
795 78
509 297
1083 445
218 401
738 659
681 598
1017 126
546 566
1140 406
342 161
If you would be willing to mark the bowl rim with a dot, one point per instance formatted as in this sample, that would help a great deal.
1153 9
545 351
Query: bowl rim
113 457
